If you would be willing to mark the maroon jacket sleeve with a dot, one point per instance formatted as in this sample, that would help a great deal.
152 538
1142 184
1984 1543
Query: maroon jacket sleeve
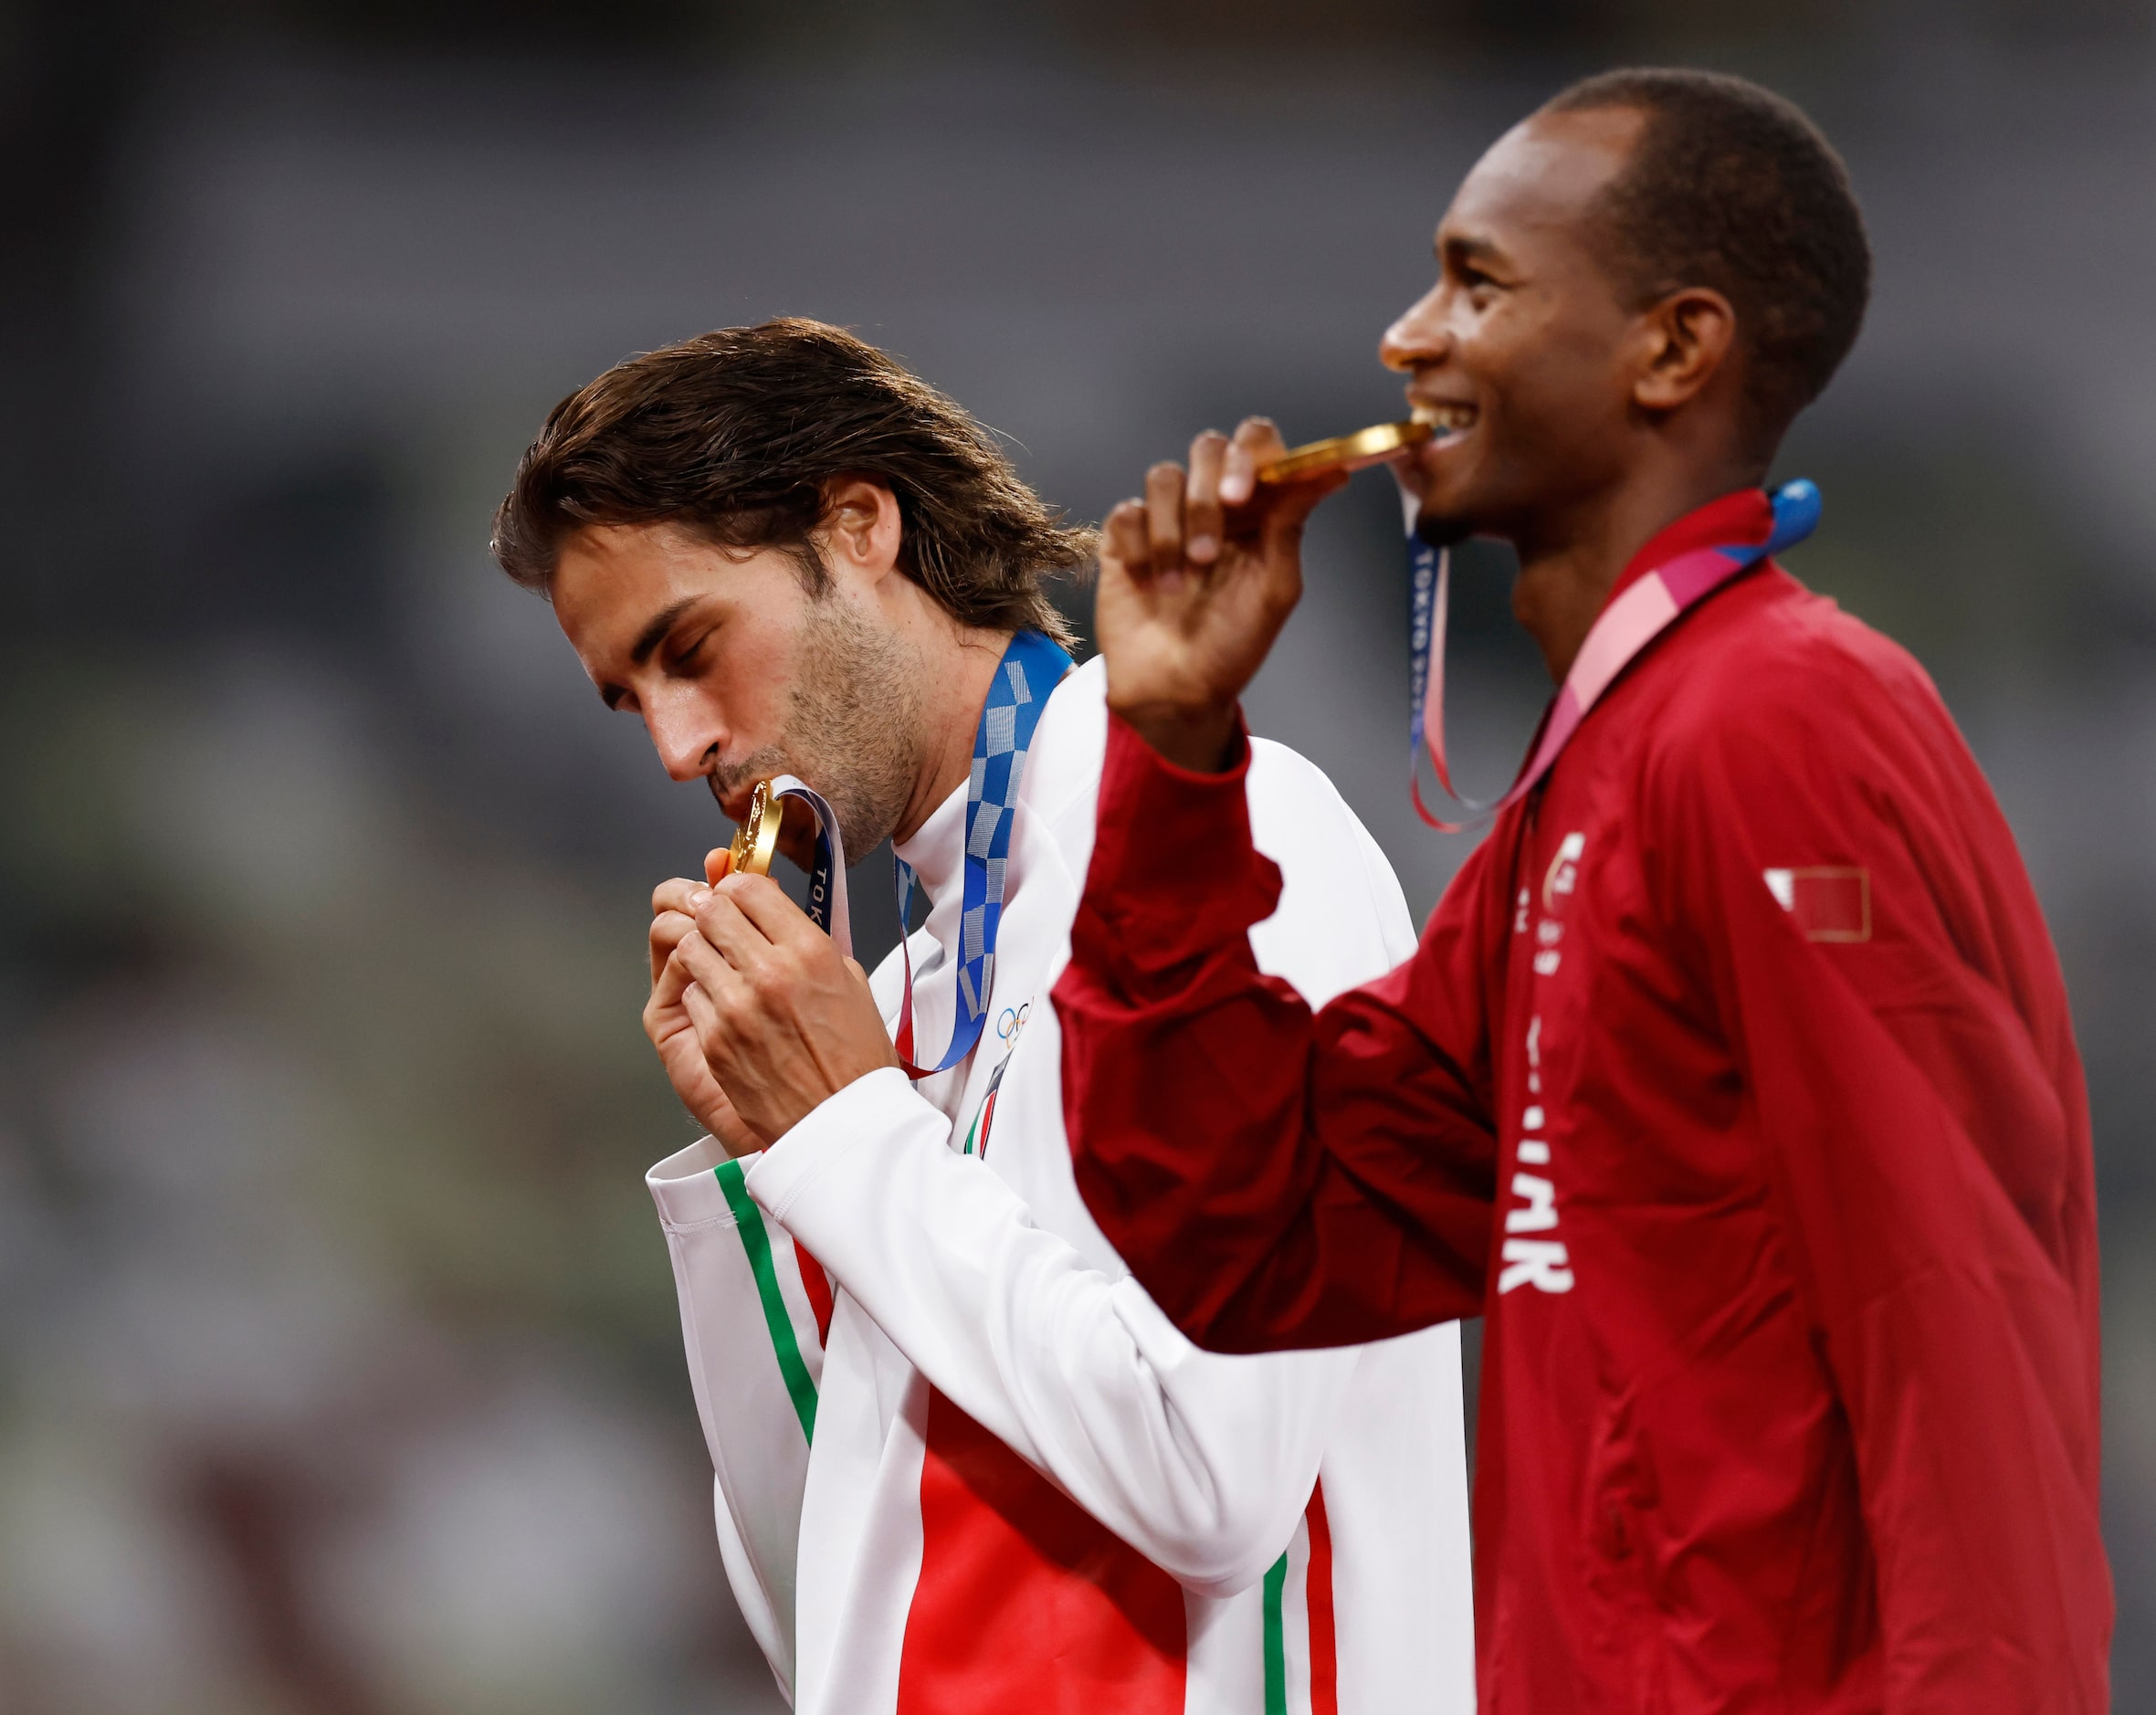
1274 1179
1883 973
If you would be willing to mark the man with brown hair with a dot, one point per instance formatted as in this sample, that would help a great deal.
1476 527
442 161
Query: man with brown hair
963 1463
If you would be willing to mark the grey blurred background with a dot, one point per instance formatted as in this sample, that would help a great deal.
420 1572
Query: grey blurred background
339 1367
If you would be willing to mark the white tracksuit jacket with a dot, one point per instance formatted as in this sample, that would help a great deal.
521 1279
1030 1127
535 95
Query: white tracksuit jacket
913 1351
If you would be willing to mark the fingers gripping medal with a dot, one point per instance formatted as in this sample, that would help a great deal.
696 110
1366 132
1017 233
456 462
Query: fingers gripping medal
756 842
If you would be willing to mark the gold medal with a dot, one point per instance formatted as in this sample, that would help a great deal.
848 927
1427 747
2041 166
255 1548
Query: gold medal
1346 452
757 839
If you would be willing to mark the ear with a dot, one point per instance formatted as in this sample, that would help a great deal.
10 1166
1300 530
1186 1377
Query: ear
861 528
1686 338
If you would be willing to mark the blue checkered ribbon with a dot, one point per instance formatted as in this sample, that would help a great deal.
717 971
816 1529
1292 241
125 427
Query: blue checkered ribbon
1030 670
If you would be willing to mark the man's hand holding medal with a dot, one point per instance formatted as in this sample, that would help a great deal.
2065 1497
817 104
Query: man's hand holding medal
755 1012
1197 578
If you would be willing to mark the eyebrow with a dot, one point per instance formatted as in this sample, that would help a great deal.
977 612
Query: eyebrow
655 629
1461 249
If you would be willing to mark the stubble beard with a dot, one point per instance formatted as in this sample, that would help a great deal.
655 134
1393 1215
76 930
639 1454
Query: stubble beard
853 723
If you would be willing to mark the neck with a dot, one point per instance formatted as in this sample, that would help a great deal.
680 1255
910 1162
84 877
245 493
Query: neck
1571 561
958 664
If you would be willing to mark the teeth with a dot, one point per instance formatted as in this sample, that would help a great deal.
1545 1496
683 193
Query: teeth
1450 418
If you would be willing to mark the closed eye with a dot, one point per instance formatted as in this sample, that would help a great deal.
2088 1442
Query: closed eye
685 660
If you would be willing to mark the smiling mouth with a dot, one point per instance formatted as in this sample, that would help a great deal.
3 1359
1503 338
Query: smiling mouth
1449 420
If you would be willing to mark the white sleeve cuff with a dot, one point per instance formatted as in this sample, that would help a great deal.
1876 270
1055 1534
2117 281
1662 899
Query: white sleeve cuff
687 1189
864 1109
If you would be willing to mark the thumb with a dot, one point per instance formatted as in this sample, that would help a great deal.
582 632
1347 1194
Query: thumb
718 861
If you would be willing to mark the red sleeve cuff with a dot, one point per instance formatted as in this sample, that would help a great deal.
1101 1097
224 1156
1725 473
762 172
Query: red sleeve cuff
1174 876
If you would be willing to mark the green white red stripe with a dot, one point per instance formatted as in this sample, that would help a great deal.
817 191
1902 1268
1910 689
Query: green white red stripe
801 1386
1301 1671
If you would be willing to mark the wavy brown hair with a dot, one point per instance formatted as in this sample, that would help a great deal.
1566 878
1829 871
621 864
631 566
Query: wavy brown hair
738 434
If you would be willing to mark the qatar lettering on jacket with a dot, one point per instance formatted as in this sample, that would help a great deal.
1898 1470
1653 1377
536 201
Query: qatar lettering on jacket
1733 1082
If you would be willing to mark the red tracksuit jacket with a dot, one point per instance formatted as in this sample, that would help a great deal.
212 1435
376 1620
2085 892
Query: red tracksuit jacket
1733 1082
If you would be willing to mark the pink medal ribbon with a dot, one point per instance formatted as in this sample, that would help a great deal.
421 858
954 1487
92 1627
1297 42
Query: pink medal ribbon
1635 617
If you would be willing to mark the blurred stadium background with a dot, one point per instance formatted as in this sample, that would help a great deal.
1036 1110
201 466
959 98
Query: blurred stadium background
339 1367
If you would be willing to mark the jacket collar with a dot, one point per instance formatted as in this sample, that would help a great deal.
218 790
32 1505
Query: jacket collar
1743 516
937 848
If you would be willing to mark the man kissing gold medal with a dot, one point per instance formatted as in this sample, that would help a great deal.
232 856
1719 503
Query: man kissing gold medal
963 1460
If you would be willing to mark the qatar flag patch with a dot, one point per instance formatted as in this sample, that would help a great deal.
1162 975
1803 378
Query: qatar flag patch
1829 903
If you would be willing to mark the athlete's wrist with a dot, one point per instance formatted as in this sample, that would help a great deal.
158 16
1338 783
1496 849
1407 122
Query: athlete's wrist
1203 738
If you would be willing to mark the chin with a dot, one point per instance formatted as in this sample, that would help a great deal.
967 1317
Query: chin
1443 527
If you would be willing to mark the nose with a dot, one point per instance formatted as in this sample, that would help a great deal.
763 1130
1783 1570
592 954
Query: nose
1419 337
687 740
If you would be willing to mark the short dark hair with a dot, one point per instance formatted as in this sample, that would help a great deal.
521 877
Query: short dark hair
737 435
1730 186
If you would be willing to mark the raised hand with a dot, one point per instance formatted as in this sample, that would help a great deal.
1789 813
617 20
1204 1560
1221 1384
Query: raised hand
1196 580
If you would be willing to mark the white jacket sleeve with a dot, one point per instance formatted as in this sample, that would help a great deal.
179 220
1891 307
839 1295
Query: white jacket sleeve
752 1314
1202 1463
